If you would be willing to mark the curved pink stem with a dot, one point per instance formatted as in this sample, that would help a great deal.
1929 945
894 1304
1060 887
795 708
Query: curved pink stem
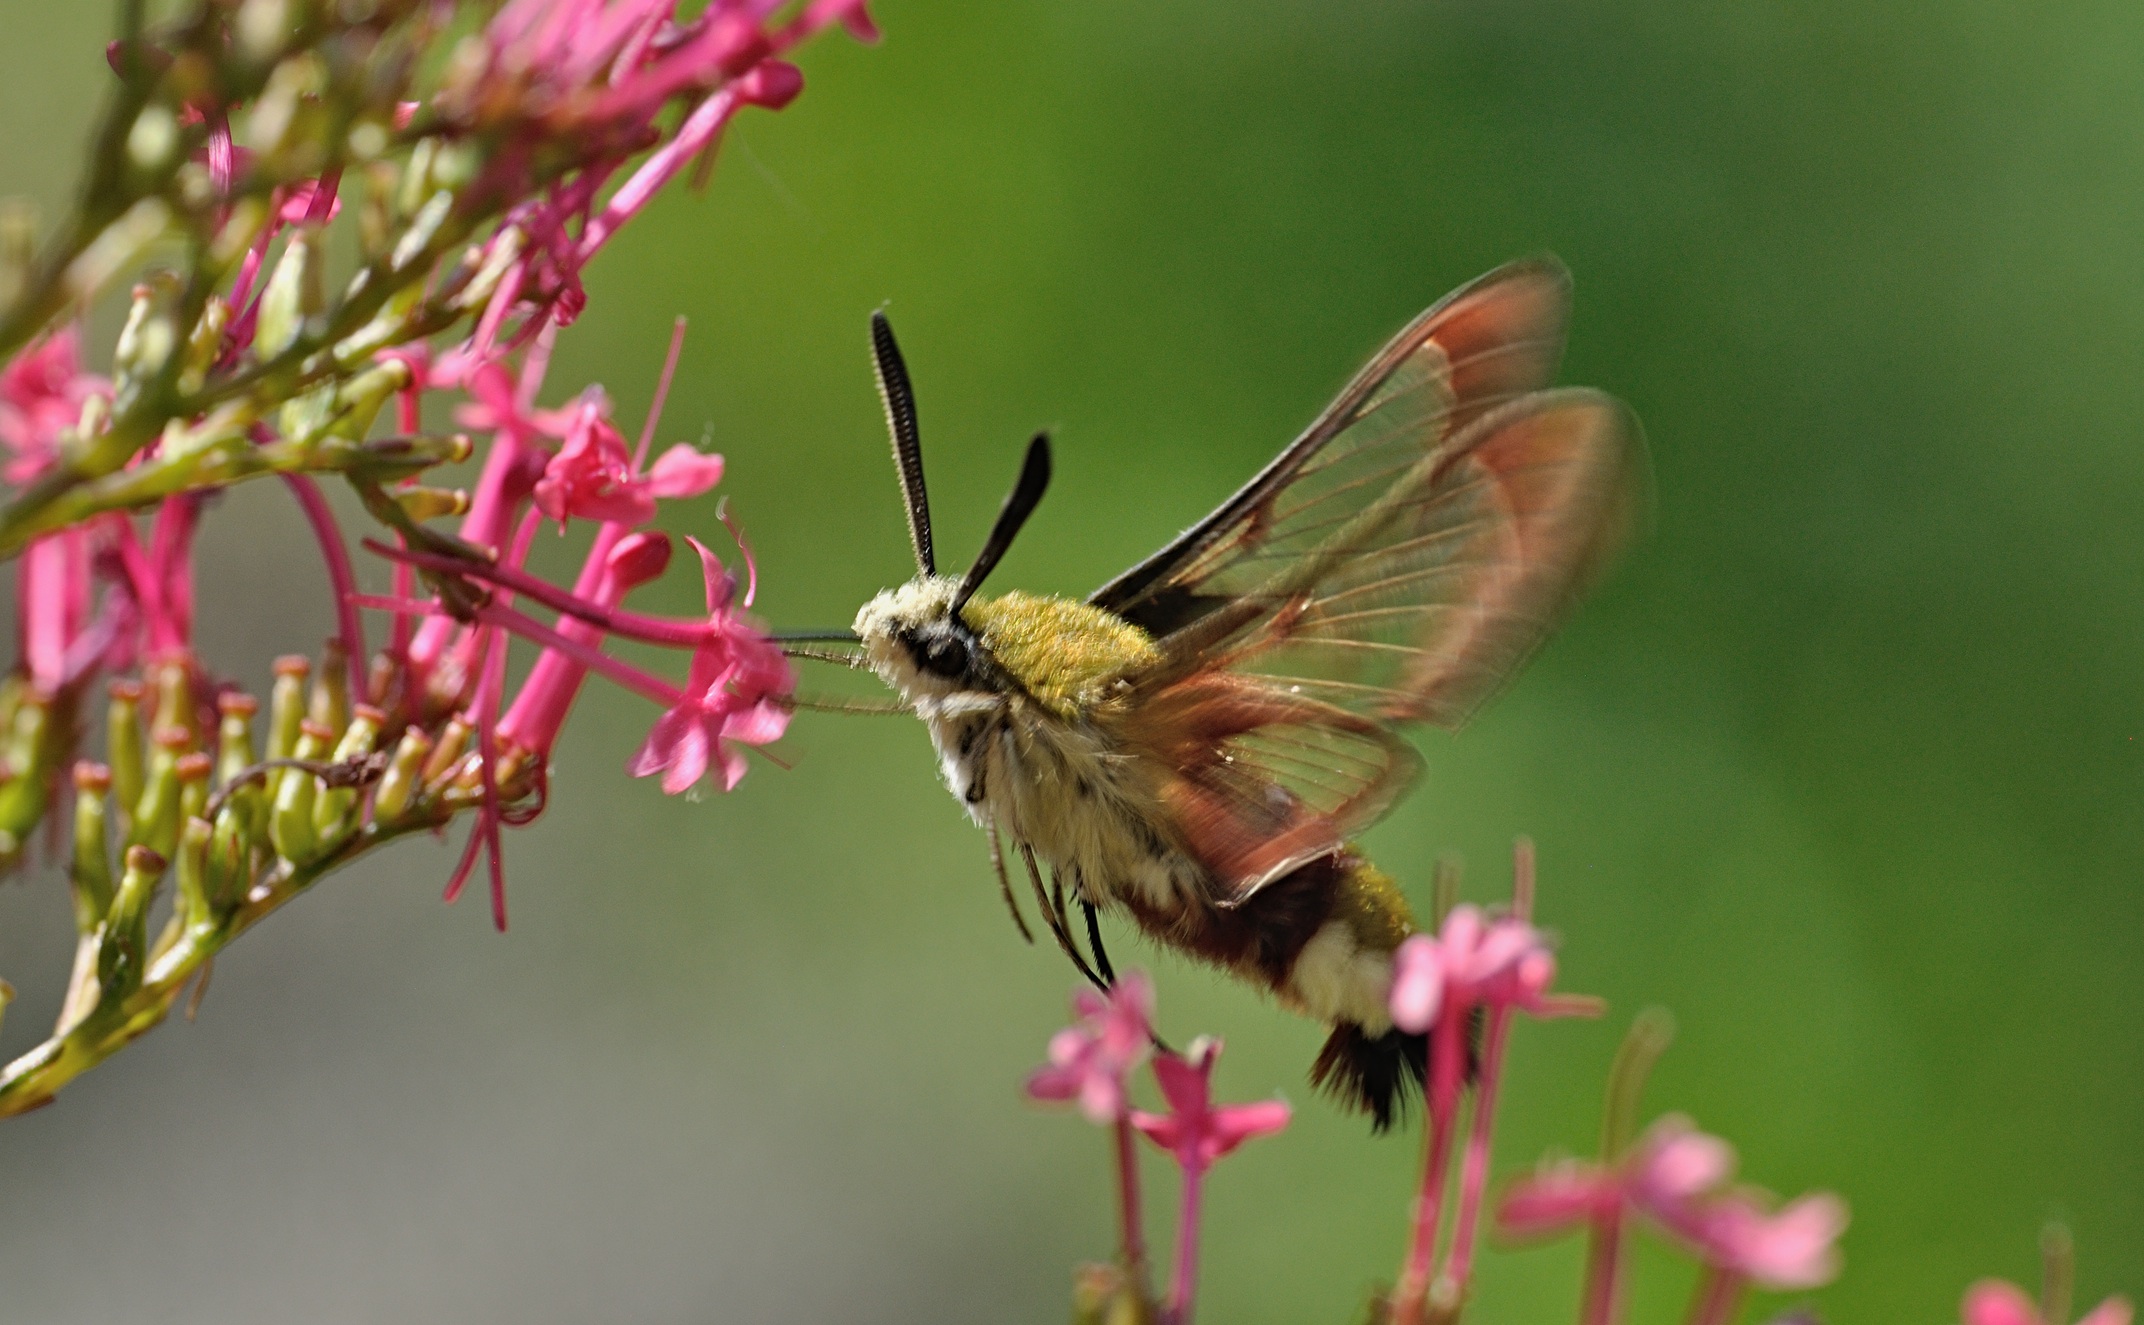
341 576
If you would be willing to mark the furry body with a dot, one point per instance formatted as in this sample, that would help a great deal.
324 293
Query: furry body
1036 735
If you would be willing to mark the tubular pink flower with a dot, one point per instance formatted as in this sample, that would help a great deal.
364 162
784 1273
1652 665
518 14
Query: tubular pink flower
1091 1059
1194 1131
733 694
52 604
539 711
1196 1134
1670 1176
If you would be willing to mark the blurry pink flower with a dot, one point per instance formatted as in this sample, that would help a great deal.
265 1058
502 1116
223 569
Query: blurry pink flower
1792 1248
1669 1175
1090 1059
52 599
733 694
42 390
1474 961
1998 1302
1194 1131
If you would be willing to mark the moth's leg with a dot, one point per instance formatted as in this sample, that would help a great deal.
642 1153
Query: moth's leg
1054 917
1094 941
997 863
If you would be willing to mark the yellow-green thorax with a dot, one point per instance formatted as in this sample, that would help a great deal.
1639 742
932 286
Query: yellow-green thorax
1063 653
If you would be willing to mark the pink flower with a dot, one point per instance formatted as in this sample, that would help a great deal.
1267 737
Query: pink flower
733 693
592 476
42 391
1474 961
1792 1248
1668 1175
1194 1131
1998 1302
1090 1059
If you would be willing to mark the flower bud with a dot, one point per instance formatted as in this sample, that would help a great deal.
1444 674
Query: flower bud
194 771
174 677
290 822
334 809
286 710
294 293
123 741
453 739
398 788
156 814
330 705
121 956
146 339
90 873
638 559
359 400
22 796
192 909
422 503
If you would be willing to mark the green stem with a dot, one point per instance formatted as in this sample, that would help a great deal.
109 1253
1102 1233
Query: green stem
36 1077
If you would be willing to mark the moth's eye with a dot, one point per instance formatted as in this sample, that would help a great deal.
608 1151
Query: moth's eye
946 656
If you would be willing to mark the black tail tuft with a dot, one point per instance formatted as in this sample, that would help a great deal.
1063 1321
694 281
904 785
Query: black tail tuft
1376 1075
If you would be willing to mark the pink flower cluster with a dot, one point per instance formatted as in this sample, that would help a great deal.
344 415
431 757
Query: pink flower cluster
1091 1062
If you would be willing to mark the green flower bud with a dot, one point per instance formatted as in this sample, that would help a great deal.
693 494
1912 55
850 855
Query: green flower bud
404 775
293 294
122 956
290 822
156 815
331 688
334 809
90 873
123 738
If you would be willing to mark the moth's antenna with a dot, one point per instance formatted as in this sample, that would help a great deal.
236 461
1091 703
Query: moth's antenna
1026 494
900 403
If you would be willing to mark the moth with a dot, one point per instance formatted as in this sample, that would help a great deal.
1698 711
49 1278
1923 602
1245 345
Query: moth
1195 744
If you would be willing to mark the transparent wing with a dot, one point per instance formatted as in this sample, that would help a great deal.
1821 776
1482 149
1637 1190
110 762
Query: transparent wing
1398 563
1482 345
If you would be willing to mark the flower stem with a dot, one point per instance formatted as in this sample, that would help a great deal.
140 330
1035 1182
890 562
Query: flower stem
1604 1266
1474 1175
1130 1220
1447 1068
1718 1294
1183 1284
341 577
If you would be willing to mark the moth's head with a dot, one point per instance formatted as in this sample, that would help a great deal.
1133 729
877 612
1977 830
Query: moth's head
919 646
919 637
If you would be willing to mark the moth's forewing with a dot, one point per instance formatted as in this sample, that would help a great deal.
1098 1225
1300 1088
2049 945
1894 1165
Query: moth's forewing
1396 564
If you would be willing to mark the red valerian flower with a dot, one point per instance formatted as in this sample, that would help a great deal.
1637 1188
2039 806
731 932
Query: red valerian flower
1194 1130
732 697
1090 1059
1668 1175
1791 1248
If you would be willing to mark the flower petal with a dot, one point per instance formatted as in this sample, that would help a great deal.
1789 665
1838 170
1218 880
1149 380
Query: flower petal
1417 984
683 471
1554 1199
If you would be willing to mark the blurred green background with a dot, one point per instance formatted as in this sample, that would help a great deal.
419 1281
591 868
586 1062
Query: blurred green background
1843 766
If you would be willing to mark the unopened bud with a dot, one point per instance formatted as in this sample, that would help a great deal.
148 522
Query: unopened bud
286 704
90 872
123 955
453 739
151 140
174 678
22 796
290 822
330 706
294 293
193 908
637 559
422 503
156 814
123 740
405 772
194 772
335 808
